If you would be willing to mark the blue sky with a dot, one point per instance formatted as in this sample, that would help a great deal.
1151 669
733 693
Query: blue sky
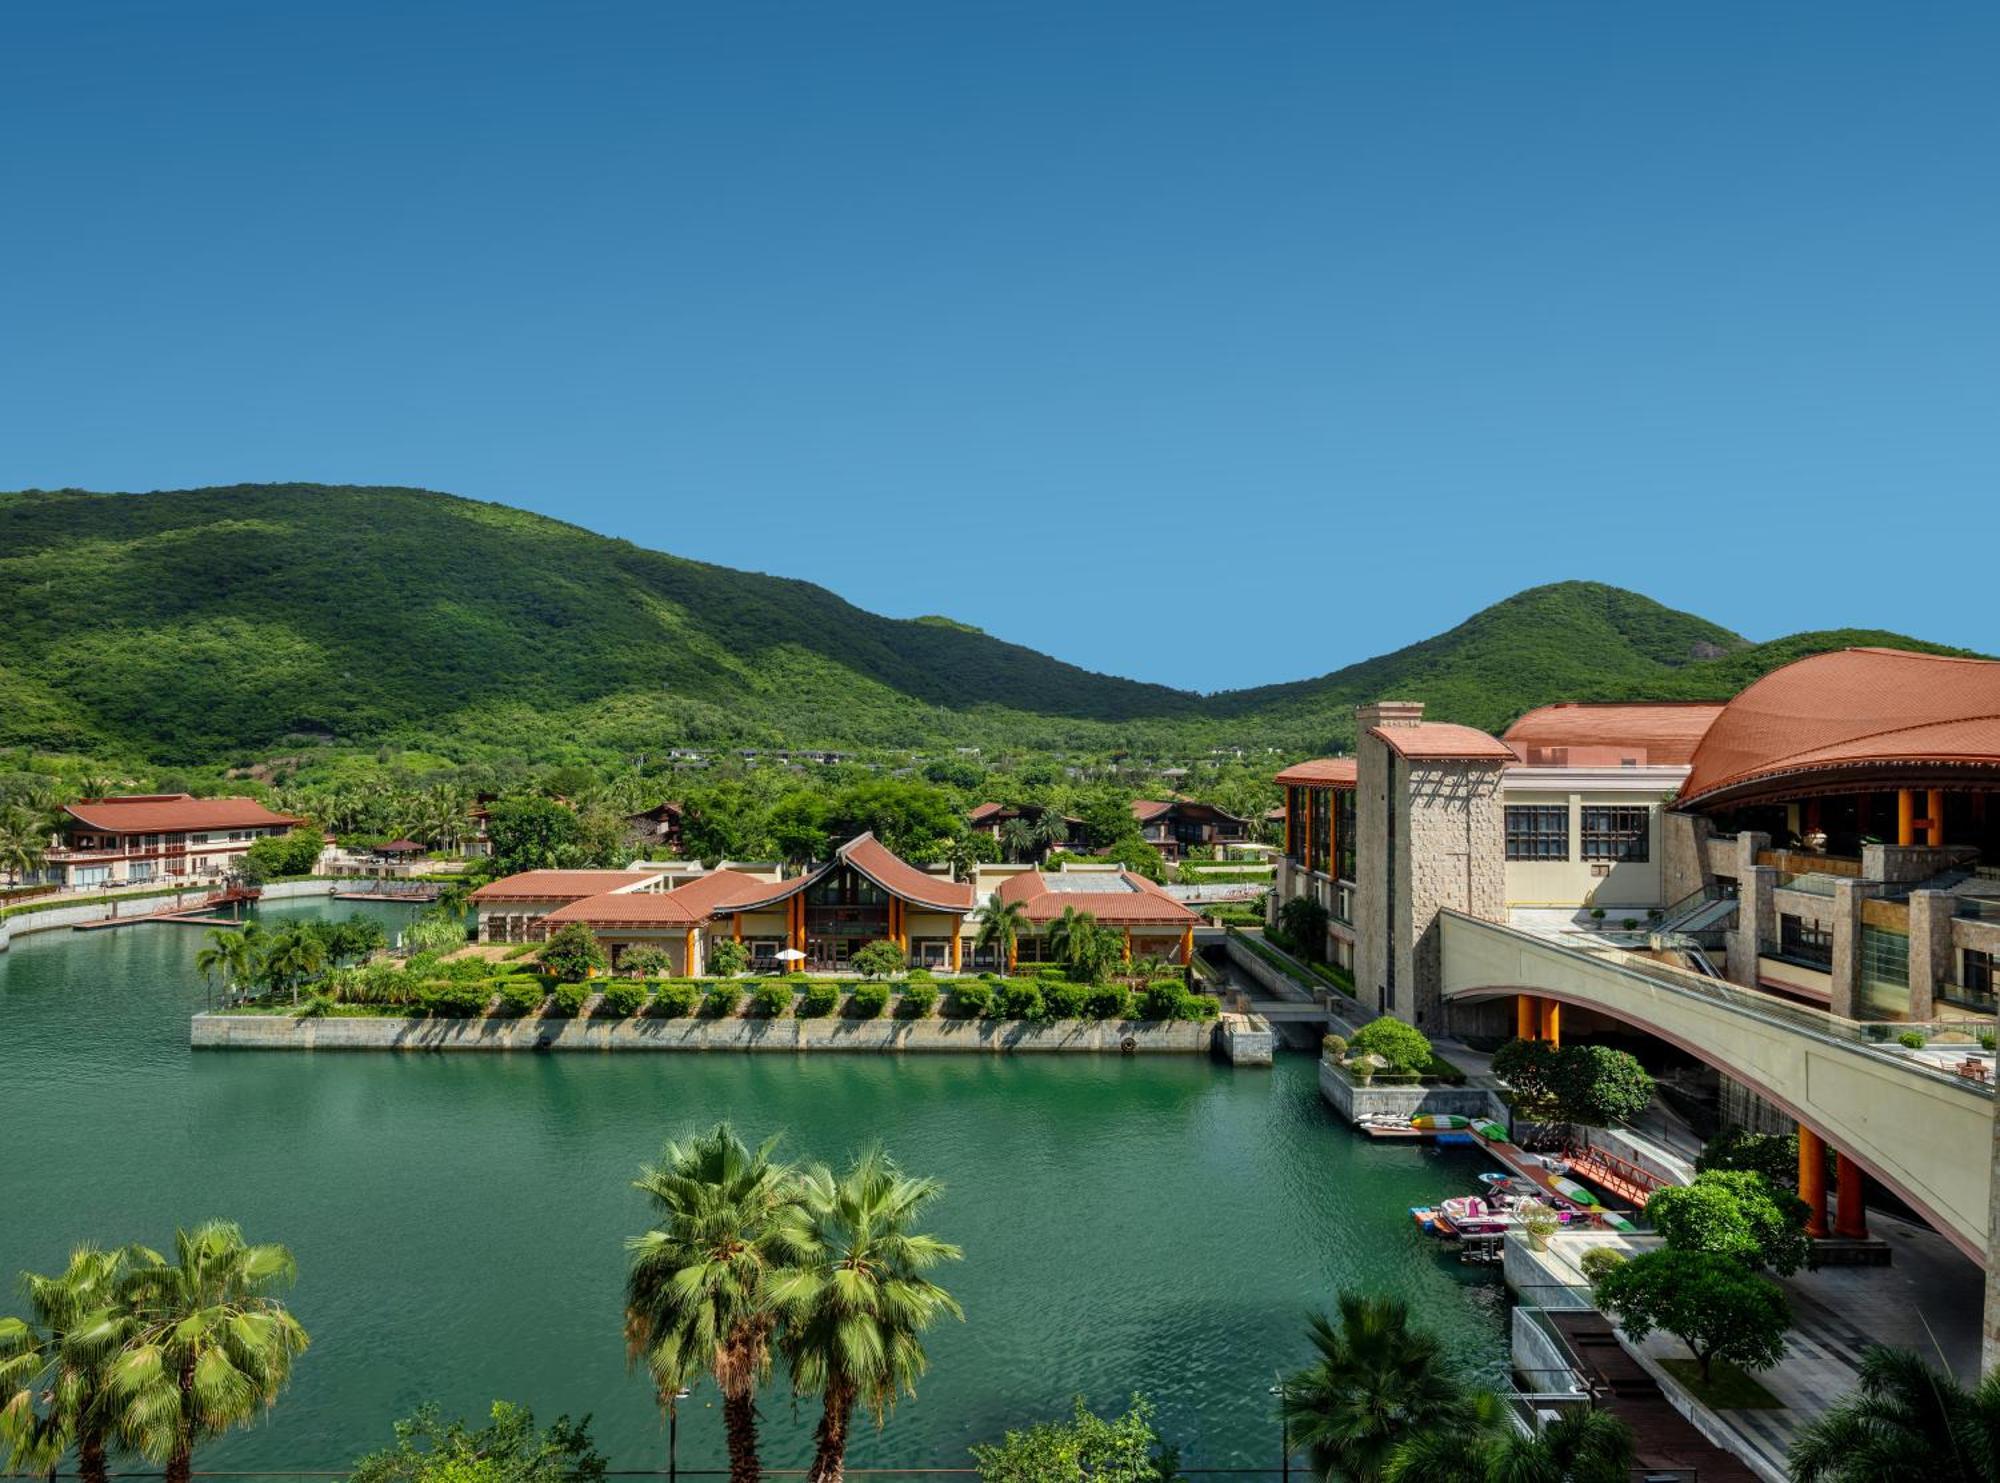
1372 314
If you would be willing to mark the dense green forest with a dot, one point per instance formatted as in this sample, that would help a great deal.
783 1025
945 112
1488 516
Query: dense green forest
229 624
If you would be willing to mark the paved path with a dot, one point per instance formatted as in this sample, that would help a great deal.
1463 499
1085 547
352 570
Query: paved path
1662 1438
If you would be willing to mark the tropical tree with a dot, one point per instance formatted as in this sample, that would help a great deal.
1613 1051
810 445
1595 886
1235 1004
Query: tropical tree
234 955
54 1367
1905 1419
293 955
1736 1213
21 843
1713 1304
1088 1449
207 1346
1050 831
696 1296
1377 1383
855 1300
512 1449
573 953
1019 839
1068 932
1584 1445
1001 925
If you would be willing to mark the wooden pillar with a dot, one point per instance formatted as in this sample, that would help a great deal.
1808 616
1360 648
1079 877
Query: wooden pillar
1812 1180
1551 1021
1128 944
1906 816
1850 1214
1525 1026
957 942
1187 947
1934 818
687 959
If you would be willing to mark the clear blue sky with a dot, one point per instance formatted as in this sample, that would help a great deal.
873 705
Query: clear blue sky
1060 319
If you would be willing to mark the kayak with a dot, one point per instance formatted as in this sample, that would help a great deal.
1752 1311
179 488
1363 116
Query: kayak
1491 1131
1432 1122
1574 1190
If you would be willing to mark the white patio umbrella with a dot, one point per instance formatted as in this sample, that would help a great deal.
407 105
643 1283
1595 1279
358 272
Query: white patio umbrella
789 955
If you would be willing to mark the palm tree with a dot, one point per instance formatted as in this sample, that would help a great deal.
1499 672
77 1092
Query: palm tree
207 1348
21 843
1017 838
234 954
1051 831
1377 1383
1584 1445
1905 1419
695 1298
1001 924
60 1362
291 957
856 1303
1068 932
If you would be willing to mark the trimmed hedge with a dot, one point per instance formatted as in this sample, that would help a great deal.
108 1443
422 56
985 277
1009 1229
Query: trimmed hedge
770 1000
867 1001
520 997
820 1000
969 1000
567 1000
1014 1000
672 999
920 997
622 1000
721 1001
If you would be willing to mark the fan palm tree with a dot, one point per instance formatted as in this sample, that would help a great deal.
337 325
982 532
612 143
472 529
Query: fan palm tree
1017 838
1001 925
695 1298
54 1369
1376 1384
207 1347
1583 1445
1905 1419
1069 931
856 1302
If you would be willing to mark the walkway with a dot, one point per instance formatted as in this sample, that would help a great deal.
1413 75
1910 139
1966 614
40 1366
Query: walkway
1662 1438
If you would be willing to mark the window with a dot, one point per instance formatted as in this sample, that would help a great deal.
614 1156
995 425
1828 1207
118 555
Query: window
1343 833
1806 943
1295 825
1537 831
1320 858
1978 978
1885 974
1615 833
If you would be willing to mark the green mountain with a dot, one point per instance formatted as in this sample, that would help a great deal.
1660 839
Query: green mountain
222 623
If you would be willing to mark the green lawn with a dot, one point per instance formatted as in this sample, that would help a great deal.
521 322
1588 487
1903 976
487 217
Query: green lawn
1728 1389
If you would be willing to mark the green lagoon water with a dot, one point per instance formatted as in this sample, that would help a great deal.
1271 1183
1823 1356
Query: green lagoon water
1160 1225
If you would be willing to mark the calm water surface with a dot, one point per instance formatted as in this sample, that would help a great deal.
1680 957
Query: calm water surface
1159 1225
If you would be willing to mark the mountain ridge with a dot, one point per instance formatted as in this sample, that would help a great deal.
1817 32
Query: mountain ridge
187 624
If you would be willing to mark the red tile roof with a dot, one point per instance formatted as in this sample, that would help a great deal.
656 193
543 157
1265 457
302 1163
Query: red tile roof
1145 810
875 860
1321 772
1852 708
1142 904
1442 741
559 885
1654 734
163 813
981 812
684 906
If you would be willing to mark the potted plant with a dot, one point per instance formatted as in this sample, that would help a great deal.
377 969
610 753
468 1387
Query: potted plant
1364 1067
1540 1222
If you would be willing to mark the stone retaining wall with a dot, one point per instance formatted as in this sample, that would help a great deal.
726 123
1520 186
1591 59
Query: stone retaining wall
1353 1101
137 905
1233 1033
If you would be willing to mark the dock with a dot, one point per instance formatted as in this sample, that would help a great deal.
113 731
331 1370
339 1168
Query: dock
199 913
418 896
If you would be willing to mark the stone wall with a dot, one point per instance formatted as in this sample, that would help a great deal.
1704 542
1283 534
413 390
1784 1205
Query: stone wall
1684 845
1454 842
136 905
1128 1037
1375 768
1352 1100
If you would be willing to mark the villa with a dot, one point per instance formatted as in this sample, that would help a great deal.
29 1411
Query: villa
1176 826
146 837
993 818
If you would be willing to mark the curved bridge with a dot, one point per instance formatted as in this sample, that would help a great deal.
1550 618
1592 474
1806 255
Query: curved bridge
1926 1135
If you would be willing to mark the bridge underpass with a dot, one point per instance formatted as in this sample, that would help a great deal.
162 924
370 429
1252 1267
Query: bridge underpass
1924 1134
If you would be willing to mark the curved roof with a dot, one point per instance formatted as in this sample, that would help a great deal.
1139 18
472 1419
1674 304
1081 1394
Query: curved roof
875 860
561 885
1441 741
1321 772
685 906
1852 708
157 813
1650 733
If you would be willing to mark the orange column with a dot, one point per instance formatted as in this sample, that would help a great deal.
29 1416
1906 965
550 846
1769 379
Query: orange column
1850 1214
1906 816
736 926
1812 1179
1551 1021
1128 944
1524 1017
1187 946
956 941
1934 818
687 959
1013 954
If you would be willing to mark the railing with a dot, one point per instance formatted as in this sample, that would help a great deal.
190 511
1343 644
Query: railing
1978 909
1809 882
1804 862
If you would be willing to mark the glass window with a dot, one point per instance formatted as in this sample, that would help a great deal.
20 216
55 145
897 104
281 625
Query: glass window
1537 831
1805 942
1978 977
1295 824
1322 827
1885 974
1343 833
1615 833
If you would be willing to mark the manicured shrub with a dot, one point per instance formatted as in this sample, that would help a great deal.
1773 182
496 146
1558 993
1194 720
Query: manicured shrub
916 974
879 960
819 1000
1050 973
867 1001
673 999
1161 1000
721 1001
1197 1007
621 1000
1404 1047
1108 1002
567 1000
770 999
969 1000
574 953
519 996
920 997
728 958
1599 1260
1064 1001
1911 1040
1014 999
1333 1047
645 962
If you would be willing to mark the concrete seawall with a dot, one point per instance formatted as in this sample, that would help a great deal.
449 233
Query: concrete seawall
1352 1100
1243 1040
138 904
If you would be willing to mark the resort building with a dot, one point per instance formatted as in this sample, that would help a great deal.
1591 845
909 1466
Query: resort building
657 830
1175 826
992 819
1153 923
146 837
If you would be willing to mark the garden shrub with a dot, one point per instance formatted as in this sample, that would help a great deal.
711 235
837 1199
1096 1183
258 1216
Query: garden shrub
1333 1047
920 997
728 957
1911 1040
454 1001
1403 1047
721 1001
918 974
1108 1002
645 961
770 999
868 1000
1064 1001
673 999
819 1000
969 1000
879 959
1598 1085
1599 1260
1049 973
567 1000
622 1000
1198 1007
573 953
1014 999
1161 1000
520 996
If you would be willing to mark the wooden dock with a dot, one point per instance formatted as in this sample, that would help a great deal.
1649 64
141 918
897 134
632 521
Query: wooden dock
201 913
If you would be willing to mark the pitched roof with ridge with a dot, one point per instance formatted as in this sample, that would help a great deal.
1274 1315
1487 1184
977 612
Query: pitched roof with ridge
1121 900
684 906
1852 708
1442 741
1652 733
878 863
561 885
1321 772
157 813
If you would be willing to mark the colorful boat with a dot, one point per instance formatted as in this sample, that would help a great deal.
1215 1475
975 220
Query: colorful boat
1433 1122
1572 1189
1491 1131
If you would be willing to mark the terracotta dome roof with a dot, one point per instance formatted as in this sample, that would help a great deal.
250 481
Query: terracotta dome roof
1322 772
1650 733
1847 709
